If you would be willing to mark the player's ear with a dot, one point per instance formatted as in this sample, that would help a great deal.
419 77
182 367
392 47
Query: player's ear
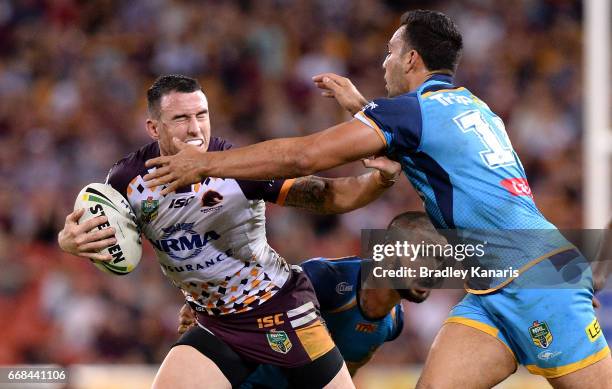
409 60
152 128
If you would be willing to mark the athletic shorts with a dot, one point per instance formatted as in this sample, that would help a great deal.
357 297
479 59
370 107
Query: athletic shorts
551 330
286 331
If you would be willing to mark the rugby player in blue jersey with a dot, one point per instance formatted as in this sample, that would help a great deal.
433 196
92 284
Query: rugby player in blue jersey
359 320
456 153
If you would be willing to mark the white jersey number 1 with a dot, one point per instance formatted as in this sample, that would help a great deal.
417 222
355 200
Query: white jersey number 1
498 150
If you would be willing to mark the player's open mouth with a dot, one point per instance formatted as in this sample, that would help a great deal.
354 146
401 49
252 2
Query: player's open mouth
195 142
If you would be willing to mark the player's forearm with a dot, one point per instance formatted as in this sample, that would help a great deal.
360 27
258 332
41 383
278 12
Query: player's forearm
349 193
336 195
293 157
278 158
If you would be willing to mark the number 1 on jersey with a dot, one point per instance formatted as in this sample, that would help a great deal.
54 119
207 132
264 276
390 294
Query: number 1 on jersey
498 151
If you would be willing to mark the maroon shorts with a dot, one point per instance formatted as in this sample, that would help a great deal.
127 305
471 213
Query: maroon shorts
285 331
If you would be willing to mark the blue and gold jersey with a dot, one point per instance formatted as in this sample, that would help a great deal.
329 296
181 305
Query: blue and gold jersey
456 153
336 282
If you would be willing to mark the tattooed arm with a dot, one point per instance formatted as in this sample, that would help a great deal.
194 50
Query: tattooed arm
339 195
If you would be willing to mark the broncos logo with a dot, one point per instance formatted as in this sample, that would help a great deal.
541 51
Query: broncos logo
211 198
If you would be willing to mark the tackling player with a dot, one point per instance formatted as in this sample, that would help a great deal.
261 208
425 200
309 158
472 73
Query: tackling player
456 153
210 241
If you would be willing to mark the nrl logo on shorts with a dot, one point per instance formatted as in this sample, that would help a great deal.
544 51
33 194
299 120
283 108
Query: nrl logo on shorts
149 209
279 341
540 334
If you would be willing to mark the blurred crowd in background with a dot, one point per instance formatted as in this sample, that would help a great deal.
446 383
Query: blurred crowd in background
73 78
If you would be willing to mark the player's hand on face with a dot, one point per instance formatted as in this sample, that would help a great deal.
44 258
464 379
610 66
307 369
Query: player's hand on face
389 170
342 89
85 239
186 319
176 171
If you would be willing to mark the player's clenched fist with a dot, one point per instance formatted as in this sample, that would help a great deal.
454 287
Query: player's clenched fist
85 239
342 89
186 319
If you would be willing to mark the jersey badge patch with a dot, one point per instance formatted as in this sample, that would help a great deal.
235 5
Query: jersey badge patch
149 209
540 334
279 341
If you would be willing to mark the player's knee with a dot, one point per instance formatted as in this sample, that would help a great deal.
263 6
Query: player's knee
186 368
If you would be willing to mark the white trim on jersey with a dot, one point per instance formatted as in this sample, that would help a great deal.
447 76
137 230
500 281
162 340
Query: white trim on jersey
304 320
301 309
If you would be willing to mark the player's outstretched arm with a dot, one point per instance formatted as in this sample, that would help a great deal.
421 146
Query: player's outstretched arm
339 195
278 158
341 89
85 239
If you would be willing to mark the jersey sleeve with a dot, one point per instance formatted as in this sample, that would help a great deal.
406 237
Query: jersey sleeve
114 179
133 165
272 191
219 144
397 121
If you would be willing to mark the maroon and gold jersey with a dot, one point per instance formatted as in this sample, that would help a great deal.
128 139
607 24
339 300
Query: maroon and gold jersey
210 238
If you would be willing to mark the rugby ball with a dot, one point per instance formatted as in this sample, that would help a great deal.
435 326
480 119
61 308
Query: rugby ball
103 200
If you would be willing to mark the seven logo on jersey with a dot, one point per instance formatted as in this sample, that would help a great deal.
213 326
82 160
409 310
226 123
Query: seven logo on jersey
184 247
279 341
517 186
540 334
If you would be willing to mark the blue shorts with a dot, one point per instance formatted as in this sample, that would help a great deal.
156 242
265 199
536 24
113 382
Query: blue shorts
551 330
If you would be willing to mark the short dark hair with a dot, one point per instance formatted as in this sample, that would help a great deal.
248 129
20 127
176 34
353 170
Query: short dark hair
435 37
408 223
166 84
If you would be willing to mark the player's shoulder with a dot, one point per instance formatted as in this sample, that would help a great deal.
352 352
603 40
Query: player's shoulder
133 164
130 166
393 105
219 144
397 118
330 266
334 280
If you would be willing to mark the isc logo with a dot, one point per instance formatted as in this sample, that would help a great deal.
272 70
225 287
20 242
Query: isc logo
179 203
270 321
